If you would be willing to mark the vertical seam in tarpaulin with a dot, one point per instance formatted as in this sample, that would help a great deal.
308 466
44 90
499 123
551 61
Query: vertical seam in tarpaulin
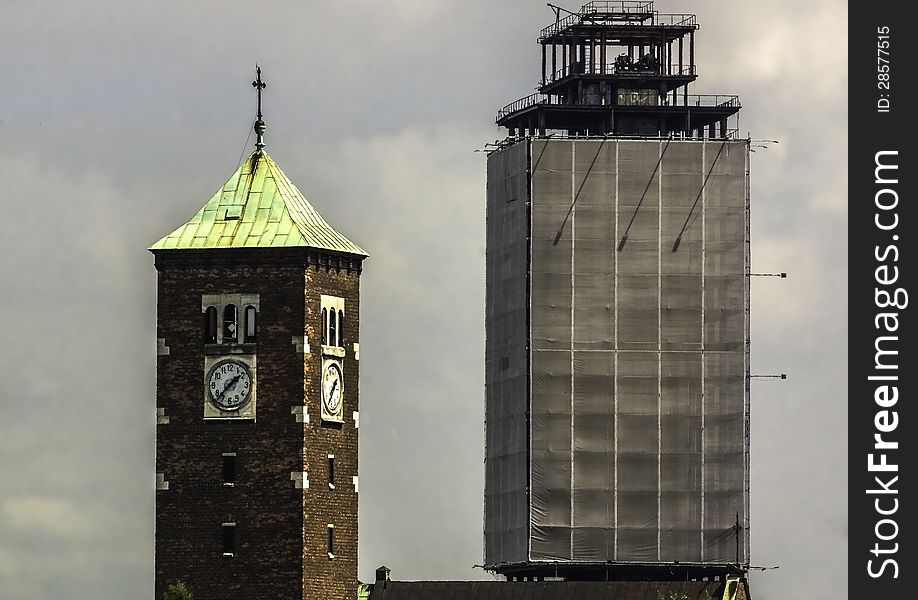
500 227
659 346
703 359
488 506
506 233
747 247
615 371
573 287
531 199
528 411
489 485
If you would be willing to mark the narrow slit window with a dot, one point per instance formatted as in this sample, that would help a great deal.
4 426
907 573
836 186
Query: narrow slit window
251 323
229 470
230 321
210 325
331 471
229 539
341 328
332 332
325 326
331 541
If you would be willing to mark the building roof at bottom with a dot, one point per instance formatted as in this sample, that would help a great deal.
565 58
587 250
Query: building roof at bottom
549 590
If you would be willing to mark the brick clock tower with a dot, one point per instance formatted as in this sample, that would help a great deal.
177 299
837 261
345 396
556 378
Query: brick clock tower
257 395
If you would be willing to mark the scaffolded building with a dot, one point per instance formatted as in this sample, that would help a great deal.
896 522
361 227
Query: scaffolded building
617 353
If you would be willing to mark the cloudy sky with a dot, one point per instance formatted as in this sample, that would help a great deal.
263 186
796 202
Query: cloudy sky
118 120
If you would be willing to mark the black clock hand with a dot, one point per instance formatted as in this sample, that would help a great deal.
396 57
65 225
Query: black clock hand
334 385
228 385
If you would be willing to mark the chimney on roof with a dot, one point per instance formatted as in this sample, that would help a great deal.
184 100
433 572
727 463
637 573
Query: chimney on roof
382 575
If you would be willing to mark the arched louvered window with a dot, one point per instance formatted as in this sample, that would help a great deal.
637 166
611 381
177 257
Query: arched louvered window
210 325
325 326
332 329
230 324
341 328
251 324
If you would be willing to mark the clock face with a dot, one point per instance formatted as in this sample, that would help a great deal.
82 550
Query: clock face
331 388
229 384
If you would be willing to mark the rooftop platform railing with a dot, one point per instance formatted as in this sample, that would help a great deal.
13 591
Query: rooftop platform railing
638 11
673 20
559 26
691 100
563 134
523 103
627 10
725 100
639 14
614 69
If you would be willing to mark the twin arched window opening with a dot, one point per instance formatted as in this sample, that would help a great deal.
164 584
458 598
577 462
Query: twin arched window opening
231 325
332 327
247 327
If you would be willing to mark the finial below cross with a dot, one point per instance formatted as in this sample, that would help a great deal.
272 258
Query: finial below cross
259 85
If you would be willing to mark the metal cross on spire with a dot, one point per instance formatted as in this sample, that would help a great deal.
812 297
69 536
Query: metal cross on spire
259 85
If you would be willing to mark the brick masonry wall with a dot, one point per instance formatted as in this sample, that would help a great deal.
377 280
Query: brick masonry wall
281 531
324 577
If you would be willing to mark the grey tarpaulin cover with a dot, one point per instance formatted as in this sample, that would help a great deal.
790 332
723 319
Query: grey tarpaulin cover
616 355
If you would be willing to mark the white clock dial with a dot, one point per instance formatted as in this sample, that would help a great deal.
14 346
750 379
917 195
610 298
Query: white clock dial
229 384
331 388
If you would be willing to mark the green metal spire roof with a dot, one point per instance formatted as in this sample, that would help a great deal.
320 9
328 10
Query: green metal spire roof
258 207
